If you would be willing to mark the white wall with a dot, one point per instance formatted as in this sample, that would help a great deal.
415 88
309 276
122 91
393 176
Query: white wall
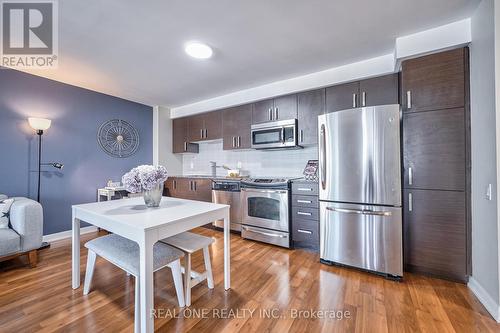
162 141
284 163
443 37
439 38
355 71
485 259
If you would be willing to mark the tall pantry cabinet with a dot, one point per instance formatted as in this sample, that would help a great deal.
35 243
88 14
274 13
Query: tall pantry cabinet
436 152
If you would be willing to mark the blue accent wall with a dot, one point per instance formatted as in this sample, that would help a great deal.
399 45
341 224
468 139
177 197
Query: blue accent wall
76 115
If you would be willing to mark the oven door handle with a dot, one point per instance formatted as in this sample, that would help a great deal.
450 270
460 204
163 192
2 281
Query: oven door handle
263 233
263 191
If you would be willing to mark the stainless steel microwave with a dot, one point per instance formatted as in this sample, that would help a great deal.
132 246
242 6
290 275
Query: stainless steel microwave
275 135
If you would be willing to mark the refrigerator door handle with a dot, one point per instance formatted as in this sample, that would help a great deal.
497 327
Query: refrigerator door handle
322 156
357 211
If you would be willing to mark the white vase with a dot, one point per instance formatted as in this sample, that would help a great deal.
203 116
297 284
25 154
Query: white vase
152 198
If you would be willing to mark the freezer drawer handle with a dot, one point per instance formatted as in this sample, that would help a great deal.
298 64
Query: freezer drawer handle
308 189
264 233
304 231
361 212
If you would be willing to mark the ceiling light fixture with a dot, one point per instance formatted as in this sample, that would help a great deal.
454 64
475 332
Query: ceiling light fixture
198 50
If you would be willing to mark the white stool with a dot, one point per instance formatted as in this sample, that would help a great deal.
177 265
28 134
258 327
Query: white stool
124 253
189 243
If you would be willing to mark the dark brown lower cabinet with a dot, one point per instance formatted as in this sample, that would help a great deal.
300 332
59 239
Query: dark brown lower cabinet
435 232
305 215
189 188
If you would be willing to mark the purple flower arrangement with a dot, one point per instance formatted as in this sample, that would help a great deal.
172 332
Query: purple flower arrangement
144 178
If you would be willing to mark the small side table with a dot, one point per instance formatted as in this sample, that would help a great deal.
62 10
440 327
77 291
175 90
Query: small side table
109 193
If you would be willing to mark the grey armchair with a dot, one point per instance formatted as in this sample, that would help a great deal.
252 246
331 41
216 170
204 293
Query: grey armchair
25 234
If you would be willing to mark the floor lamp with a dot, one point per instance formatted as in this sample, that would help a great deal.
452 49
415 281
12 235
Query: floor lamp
40 125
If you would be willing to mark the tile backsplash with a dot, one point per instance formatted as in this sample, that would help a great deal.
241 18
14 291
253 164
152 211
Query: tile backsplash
286 163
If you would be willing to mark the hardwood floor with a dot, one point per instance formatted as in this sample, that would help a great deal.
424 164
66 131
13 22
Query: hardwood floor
267 282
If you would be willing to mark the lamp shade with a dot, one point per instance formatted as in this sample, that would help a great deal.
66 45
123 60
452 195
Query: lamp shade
39 123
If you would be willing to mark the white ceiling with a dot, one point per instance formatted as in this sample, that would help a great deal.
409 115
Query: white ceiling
134 49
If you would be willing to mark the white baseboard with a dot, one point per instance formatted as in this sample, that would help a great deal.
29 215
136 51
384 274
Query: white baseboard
67 234
485 298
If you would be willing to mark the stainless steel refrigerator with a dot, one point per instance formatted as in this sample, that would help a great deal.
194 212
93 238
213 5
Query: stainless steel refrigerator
360 189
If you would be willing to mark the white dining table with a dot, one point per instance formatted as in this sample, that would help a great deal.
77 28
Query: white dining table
130 218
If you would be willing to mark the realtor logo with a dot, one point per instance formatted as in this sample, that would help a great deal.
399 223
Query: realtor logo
29 34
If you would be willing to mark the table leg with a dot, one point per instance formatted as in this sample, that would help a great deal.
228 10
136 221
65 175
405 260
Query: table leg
75 253
227 255
146 283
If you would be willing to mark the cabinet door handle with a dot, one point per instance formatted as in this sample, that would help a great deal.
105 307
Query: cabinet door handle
190 185
410 176
408 99
185 146
302 136
238 141
363 98
270 113
195 185
304 213
410 202
302 231
201 133
304 201
175 184
276 117
354 100
206 133
234 142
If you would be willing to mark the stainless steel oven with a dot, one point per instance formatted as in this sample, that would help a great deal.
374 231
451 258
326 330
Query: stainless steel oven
275 135
265 211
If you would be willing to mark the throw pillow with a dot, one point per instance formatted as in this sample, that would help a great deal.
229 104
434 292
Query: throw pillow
5 213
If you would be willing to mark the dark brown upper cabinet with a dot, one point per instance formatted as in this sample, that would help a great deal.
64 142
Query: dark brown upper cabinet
434 82
435 150
236 124
196 127
342 97
435 232
285 107
311 104
279 108
206 126
370 92
213 125
262 111
379 90
180 137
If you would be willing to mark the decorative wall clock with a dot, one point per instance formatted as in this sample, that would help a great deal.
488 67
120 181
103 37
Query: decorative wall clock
118 138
